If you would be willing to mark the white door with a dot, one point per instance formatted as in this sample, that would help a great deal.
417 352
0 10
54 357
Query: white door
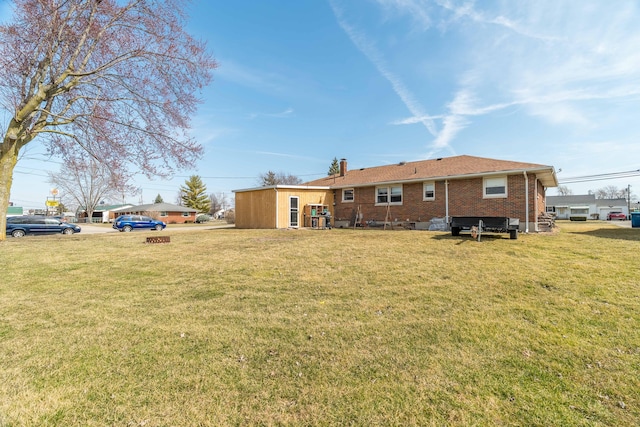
294 202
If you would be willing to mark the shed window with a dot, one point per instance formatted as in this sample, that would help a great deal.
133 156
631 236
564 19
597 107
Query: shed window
495 187
429 191
347 195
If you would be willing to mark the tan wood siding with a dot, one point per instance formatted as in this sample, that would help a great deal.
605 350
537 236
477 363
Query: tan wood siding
256 209
323 197
269 207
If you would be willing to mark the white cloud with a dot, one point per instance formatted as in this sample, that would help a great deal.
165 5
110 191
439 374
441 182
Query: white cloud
562 63
261 80
416 9
368 48
286 113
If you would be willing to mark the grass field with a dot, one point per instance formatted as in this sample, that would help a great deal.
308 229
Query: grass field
322 327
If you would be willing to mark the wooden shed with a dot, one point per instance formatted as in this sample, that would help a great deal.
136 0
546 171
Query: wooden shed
281 206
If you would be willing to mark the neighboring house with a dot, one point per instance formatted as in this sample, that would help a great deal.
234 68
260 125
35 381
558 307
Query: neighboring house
167 212
586 206
409 192
102 213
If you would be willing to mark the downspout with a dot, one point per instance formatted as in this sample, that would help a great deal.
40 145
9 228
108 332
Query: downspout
526 197
446 201
277 203
535 208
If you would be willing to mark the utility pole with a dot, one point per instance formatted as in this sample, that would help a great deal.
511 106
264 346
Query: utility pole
629 200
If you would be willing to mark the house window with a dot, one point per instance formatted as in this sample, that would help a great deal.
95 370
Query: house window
164 213
495 187
347 195
579 211
186 214
429 191
389 195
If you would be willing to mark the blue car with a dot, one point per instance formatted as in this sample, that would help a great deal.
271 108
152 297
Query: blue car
137 222
19 226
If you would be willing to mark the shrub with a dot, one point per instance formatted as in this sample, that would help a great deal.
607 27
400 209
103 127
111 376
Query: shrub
230 216
203 218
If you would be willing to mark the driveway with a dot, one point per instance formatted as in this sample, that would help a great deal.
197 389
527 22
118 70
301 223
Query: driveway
95 229
626 224
98 229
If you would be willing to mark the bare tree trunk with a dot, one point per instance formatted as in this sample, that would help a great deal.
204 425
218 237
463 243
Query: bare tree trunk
8 160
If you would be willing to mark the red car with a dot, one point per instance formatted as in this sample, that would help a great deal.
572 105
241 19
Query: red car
616 215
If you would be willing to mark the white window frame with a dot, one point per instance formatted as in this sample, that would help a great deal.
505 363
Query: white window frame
389 194
294 212
494 182
186 214
353 195
164 213
429 186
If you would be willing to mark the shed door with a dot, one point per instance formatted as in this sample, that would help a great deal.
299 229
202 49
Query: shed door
294 202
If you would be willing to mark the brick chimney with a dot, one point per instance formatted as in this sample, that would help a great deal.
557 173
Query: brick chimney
343 167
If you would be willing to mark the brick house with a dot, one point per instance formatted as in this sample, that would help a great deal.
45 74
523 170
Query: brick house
167 212
416 192
586 205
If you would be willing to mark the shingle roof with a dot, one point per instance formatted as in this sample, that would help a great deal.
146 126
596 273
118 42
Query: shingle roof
443 168
584 199
102 208
611 202
580 199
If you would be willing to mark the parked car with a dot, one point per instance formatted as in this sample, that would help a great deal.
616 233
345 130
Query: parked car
137 222
19 226
616 215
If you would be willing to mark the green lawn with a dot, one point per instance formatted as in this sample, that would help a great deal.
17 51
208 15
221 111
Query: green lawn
322 327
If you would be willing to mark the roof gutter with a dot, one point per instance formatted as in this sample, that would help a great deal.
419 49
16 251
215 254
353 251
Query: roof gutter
446 201
284 186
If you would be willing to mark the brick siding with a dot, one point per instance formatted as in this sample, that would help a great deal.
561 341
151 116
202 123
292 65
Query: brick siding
465 199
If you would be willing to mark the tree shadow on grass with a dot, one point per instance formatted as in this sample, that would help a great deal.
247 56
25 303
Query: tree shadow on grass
632 234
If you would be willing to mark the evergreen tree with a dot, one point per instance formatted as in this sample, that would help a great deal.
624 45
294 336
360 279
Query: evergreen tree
335 167
158 199
194 194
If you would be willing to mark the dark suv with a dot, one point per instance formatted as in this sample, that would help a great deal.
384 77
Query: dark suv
134 222
18 226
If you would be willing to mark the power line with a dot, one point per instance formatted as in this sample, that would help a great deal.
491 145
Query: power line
600 177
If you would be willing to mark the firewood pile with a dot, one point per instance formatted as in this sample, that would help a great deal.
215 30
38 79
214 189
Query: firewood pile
546 222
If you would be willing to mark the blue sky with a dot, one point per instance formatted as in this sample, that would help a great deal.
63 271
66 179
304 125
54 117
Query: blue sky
381 81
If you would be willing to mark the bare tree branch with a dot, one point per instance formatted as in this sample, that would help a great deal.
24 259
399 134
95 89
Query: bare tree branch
113 78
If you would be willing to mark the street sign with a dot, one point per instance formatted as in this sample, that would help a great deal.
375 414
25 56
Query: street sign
53 203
